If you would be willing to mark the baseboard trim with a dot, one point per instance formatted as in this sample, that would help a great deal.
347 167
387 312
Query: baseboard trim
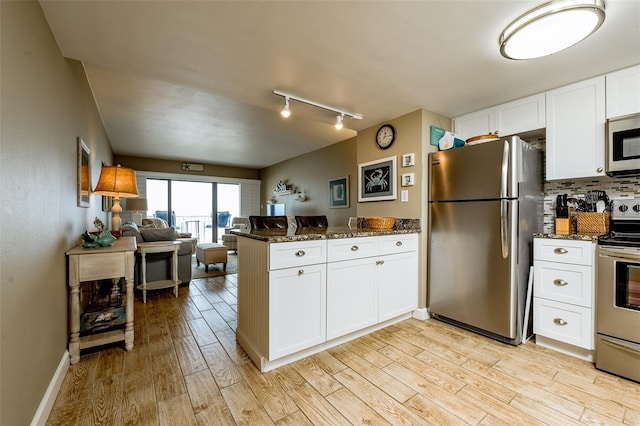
49 398
421 314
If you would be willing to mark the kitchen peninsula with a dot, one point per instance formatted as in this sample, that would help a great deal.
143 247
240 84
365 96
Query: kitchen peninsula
304 290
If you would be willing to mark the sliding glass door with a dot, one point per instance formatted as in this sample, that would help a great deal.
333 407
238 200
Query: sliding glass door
203 209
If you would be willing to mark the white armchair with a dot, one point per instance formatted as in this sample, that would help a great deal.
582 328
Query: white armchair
231 240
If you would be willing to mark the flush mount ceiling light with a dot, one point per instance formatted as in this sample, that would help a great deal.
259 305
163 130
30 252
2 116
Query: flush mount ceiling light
551 27
286 111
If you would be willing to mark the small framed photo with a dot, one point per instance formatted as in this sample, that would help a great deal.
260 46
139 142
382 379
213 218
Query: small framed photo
407 179
408 159
339 192
377 180
84 174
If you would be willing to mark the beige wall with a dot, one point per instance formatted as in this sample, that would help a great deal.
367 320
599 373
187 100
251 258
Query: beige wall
168 166
408 139
45 104
311 173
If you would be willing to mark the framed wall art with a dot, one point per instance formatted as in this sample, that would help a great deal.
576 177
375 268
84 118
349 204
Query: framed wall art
408 160
84 174
377 180
339 192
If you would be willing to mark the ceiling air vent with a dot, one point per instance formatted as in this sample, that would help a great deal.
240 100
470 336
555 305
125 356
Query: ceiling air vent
189 167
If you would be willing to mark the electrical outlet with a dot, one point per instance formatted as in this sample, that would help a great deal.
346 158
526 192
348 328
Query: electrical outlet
404 196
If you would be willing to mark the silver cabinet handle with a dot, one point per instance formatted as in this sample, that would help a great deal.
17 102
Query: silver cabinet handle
398 243
559 321
354 248
560 283
560 250
300 272
599 169
379 262
300 253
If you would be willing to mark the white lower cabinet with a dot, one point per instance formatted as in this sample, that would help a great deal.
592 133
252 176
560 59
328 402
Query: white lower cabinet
352 300
297 314
563 295
298 298
397 279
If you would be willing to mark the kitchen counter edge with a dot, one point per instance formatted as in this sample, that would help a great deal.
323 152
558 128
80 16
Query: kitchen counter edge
306 234
579 237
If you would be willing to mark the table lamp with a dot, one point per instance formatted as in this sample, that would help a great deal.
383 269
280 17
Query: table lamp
117 182
136 205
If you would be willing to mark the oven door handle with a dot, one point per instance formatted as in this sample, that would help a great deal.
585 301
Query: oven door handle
619 255
631 350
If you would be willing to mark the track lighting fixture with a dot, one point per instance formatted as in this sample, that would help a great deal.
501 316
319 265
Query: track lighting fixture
286 112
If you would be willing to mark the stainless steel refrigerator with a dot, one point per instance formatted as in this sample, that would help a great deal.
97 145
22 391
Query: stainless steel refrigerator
485 205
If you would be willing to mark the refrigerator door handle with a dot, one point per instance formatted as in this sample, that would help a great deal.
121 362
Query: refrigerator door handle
504 229
504 177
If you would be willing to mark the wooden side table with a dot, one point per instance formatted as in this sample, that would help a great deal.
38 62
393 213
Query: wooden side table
89 264
159 247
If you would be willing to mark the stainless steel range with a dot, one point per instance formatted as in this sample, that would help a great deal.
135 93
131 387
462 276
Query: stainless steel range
618 292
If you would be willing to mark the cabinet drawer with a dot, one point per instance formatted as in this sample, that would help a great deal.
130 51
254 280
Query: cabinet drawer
565 251
564 282
351 248
298 253
98 267
391 244
563 322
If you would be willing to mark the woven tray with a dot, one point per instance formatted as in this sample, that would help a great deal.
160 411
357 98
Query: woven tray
593 223
381 222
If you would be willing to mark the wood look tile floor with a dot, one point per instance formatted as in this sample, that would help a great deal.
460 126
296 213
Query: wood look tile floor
187 369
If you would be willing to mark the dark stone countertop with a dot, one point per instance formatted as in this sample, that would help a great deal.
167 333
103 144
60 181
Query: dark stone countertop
579 237
332 232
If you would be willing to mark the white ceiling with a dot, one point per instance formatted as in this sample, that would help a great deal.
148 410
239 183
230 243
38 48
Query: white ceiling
193 80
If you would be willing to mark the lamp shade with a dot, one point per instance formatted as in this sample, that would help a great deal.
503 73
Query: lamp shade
136 204
117 181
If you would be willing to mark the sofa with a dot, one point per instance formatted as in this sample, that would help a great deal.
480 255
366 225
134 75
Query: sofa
159 264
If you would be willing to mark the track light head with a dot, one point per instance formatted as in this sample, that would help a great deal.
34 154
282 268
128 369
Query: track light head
285 110
339 121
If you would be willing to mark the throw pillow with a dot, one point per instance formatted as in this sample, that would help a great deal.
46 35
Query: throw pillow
162 234
131 230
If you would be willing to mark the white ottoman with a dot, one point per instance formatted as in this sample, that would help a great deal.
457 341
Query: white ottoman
209 253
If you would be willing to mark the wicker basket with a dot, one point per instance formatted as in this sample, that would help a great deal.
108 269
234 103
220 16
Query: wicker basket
381 222
593 223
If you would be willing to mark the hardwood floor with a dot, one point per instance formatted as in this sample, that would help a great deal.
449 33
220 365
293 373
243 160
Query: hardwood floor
186 369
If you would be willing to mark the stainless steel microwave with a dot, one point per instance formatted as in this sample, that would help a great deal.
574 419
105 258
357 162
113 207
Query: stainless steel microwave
623 146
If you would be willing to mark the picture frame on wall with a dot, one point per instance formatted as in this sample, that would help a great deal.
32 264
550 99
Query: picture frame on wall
84 174
377 180
339 192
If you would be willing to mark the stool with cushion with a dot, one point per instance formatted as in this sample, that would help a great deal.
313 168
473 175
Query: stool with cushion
209 253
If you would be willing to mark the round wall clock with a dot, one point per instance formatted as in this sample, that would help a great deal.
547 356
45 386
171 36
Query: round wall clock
385 136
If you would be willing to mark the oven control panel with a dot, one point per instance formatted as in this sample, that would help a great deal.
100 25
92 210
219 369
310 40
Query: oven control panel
625 208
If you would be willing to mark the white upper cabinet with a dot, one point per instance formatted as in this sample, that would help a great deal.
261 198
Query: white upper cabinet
623 92
576 130
475 124
514 117
519 116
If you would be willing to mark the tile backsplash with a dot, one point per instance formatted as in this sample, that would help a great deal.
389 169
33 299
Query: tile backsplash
621 187
627 187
